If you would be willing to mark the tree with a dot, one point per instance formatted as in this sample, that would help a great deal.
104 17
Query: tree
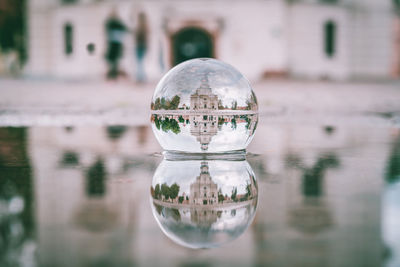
250 103
221 120
95 177
248 190
174 126
174 191
169 124
234 104
234 193
165 191
248 120
157 191
157 122
157 103
165 125
220 106
163 103
233 123
174 103
181 199
220 196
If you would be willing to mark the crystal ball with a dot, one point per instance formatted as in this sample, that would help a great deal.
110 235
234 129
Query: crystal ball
203 203
204 106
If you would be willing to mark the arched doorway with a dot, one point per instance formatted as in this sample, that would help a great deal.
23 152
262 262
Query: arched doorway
191 42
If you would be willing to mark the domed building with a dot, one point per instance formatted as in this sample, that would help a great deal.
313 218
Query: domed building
203 191
329 39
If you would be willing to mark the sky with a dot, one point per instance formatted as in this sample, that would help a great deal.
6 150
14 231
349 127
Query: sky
184 79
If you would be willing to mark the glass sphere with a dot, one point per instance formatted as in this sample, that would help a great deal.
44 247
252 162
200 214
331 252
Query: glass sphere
203 203
204 106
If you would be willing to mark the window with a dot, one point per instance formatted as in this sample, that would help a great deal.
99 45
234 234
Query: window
68 1
205 105
68 39
330 38
329 1
205 117
70 158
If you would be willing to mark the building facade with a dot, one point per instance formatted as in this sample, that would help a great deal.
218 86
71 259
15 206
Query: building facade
203 191
203 127
203 99
333 39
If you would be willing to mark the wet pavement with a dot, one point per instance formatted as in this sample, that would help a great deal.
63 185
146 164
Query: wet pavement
82 192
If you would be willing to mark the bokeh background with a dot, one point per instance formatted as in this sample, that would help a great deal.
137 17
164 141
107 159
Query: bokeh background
77 154
313 39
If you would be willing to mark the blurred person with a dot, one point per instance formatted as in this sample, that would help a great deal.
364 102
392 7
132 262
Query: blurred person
115 31
140 35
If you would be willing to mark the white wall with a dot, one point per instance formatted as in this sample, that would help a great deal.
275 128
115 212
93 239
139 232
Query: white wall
372 39
306 42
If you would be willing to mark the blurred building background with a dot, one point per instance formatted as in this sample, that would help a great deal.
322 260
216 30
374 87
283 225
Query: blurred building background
313 39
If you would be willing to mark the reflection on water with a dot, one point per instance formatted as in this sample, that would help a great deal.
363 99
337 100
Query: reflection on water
312 214
207 204
393 164
95 179
313 177
391 206
86 199
74 196
16 198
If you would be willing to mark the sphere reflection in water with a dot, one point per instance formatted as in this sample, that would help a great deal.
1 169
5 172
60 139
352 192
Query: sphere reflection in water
204 203
204 105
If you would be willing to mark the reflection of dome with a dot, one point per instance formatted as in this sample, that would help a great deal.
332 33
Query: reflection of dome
204 227
203 203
